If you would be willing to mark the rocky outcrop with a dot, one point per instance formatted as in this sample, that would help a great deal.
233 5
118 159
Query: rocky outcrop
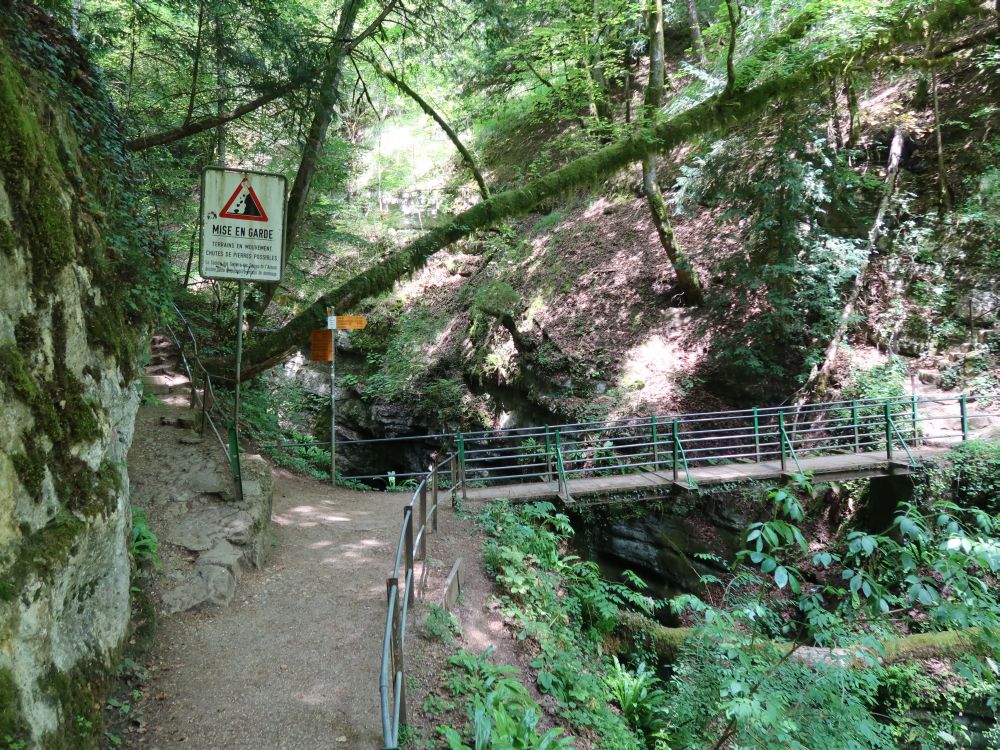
67 401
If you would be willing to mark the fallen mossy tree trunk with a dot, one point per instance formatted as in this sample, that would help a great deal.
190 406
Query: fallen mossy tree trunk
713 115
666 644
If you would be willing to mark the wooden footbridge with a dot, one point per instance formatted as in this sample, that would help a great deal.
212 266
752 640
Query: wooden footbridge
838 440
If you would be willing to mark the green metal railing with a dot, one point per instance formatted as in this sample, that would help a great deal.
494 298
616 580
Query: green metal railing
400 592
784 435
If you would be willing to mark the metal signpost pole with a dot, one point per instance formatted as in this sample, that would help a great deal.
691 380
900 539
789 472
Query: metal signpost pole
242 238
235 449
331 323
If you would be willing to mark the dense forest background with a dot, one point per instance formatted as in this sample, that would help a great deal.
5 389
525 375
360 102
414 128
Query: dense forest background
559 210
609 207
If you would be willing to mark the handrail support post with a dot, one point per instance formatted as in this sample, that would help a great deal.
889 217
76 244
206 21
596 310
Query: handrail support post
656 445
887 416
782 439
675 447
434 498
422 531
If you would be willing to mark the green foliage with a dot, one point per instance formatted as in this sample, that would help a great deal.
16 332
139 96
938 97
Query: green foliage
565 607
498 299
143 545
640 699
441 624
272 414
780 308
501 712
972 476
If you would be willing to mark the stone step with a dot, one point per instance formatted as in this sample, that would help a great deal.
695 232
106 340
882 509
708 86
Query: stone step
161 385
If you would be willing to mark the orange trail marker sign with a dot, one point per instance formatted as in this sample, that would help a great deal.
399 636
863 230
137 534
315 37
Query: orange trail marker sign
349 322
321 345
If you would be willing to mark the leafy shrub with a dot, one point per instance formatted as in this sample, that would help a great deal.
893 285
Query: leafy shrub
975 475
144 545
502 714
441 624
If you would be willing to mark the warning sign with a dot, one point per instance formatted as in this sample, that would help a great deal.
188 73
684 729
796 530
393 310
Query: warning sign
244 204
242 224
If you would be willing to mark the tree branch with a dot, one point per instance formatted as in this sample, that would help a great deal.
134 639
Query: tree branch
713 114
442 123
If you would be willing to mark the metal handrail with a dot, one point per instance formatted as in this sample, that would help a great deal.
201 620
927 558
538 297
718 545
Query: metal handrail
207 400
412 546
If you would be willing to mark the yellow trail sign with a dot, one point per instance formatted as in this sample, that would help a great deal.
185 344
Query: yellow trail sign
350 322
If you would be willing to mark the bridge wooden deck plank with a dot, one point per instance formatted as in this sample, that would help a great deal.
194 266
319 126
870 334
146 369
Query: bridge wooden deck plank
836 464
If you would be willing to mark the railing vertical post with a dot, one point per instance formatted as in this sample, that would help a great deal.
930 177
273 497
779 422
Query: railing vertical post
561 479
204 406
434 498
461 464
453 469
408 539
965 416
548 455
676 445
857 428
887 415
656 444
756 433
913 419
422 530
781 438
397 665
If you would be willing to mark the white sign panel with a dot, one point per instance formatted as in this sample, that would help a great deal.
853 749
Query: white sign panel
242 225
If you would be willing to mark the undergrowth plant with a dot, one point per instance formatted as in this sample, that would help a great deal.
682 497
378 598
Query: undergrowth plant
502 714
565 608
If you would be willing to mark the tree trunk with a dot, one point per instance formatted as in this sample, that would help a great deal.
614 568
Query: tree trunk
733 9
326 104
666 644
697 41
658 138
853 122
944 195
220 100
442 123
687 277
819 378
835 125
196 66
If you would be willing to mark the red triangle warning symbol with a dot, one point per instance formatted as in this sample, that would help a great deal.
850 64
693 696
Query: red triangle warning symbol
244 204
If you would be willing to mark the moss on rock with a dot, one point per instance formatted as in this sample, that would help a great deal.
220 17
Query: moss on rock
13 729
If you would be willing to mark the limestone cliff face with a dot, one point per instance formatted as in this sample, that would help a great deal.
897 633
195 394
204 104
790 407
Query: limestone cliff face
72 261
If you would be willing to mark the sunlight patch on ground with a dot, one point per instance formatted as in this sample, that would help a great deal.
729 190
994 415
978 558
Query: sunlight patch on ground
653 360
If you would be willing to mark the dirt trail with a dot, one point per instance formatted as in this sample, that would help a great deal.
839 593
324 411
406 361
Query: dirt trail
293 662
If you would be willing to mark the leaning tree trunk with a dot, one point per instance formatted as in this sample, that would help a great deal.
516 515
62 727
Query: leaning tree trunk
687 276
819 378
667 642
712 115
441 122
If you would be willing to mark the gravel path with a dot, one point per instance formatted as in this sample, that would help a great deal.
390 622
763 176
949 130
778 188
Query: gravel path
293 662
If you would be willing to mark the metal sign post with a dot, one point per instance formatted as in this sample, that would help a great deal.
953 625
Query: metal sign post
331 324
323 349
242 239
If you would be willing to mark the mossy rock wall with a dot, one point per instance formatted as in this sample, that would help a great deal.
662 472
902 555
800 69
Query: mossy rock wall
67 400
